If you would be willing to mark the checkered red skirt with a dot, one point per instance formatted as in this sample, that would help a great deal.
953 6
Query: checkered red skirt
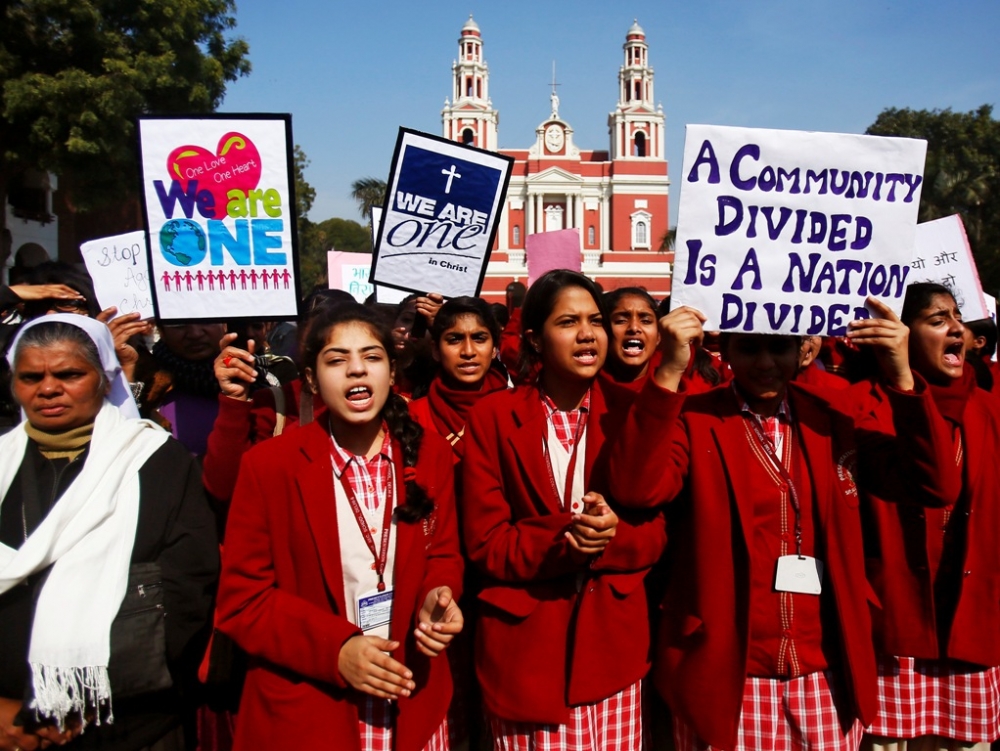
783 715
614 724
376 720
937 697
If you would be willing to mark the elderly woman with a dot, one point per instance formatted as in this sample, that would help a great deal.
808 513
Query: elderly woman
104 532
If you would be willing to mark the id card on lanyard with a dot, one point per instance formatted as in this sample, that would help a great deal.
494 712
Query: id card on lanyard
802 574
373 609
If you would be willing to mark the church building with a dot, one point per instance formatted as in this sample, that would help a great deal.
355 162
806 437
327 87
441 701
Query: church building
617 199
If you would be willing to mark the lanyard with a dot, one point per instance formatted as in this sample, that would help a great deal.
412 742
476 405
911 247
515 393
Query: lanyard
382 556
567 495
768 447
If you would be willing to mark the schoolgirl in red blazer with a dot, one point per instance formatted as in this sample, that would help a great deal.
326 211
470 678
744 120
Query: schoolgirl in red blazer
465 335
934 560
757 649
562 642
344 615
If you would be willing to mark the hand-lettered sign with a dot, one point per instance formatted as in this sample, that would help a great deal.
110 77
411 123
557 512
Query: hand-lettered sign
942 254
790 232
120 271
220 217
349 272
443 204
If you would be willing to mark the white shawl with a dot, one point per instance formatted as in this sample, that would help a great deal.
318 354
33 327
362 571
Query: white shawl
87 538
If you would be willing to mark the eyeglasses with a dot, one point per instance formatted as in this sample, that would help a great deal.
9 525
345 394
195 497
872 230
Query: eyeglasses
68 306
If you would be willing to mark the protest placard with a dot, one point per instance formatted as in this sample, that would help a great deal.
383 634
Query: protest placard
440 219
552 250
119 268
991 308
942 254
383 294
219 212
349 272
790 232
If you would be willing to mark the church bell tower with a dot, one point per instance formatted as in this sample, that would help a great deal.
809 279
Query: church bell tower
468 117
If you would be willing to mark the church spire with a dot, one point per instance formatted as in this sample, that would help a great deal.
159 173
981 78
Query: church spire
469 117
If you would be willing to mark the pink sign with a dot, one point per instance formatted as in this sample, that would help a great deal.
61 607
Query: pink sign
552 250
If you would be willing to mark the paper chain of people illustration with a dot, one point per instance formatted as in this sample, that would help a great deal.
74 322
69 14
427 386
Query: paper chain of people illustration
217 280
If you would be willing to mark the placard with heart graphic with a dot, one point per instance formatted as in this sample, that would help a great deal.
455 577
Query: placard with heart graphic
235 165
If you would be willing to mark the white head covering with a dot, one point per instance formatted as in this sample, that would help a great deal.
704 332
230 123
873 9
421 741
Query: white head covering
100 334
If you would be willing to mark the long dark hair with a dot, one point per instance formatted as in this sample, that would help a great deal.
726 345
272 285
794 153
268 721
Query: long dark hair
539 303
919 296
396 414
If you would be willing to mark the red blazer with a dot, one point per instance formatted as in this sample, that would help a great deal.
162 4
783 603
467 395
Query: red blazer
700 456
552 633
281 595
242 424
899 529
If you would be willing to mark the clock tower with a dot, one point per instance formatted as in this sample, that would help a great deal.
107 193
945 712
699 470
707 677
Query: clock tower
468 117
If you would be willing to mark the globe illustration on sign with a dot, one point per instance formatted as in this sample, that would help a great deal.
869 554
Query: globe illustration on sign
182 242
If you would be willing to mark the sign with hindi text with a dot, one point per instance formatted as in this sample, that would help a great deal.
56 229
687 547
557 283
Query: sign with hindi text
942 254
349 272
219 208
789 232
443 203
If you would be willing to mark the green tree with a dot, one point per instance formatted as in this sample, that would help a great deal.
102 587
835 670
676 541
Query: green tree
369 192
74 75
961 175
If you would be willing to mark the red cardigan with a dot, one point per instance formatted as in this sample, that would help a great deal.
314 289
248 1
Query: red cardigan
281 595
898 532
694 456
545 644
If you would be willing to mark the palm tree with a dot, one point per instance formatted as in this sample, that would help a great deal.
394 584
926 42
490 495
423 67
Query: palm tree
369 192
667 241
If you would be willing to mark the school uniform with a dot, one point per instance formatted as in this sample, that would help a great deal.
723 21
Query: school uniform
561 645
742 663
934 561
294 565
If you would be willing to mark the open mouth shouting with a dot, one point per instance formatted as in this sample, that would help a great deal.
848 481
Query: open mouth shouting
587 357
954 354
360 398
633 347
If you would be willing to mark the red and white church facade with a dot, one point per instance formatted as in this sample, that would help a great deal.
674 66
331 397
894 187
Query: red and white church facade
617 199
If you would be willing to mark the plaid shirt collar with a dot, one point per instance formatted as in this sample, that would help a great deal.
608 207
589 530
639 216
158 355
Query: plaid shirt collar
565 422
342 458
784 412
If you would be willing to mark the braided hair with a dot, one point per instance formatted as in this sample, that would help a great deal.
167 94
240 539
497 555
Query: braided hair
407 432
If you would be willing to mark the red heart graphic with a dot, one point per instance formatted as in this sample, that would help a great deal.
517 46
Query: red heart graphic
235 165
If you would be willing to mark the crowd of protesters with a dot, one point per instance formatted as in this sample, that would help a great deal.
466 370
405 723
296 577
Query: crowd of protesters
574 521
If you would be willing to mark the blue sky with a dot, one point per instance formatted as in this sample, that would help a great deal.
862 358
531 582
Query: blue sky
351 73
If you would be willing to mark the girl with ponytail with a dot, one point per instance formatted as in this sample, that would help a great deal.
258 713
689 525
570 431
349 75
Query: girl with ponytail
342 569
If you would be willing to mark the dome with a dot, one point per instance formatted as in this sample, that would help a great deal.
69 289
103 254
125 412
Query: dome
470 26
636 29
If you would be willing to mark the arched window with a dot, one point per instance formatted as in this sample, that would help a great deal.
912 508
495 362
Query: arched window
641 229
640 233
517 235
468 136
468 86
638 90
590 235
639 144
